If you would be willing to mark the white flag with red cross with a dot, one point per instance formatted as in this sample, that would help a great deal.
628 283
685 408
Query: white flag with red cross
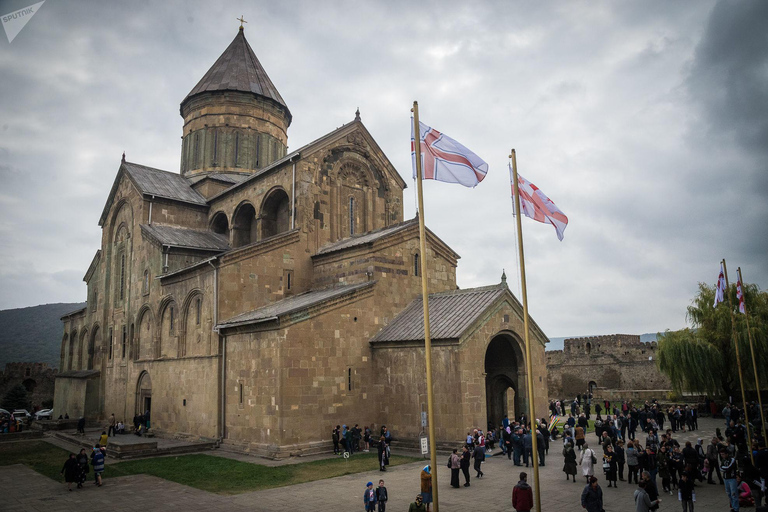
537 206
444 159
720 288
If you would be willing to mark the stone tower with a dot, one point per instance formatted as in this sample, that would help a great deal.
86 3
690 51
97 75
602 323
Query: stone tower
235 121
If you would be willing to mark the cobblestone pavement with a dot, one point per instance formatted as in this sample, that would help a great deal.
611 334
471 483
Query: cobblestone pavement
23 489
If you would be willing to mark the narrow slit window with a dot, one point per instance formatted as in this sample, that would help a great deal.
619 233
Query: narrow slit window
215 144
110 343
170 328
198 311
196 149
416 265
122 276
237 147
125 340
241 393
349 379
351 216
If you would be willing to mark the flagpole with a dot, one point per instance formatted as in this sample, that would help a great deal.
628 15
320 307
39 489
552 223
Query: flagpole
752 352
738 361
528 361
425 301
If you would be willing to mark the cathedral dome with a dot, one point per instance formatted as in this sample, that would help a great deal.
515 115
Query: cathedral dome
234 118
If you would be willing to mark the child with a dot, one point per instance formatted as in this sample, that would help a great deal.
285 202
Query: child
369 498
381 496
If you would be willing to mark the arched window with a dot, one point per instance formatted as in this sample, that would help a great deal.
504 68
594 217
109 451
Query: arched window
199 304
351 216
236 159
122 276
589 347
145 284
196 150
275 214
215 146
220 224
244 225
416 265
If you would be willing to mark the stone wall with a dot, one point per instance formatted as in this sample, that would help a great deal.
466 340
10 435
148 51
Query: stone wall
37 378
612 363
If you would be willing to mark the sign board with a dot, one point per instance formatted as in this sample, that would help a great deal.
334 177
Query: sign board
424 446
423 418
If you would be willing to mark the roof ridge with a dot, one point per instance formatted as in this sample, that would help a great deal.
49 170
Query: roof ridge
479 289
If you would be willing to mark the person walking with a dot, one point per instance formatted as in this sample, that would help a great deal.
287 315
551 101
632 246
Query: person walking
587 462
464 464
70 471
455 464
632 463
609 466
643 501
97 461
522 494
620 459
569 467
82 467
479 455
426 486
592 496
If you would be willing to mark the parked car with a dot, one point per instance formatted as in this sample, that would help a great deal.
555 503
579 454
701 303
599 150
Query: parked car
22 414
44 414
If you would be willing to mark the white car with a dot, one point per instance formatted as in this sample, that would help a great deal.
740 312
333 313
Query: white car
22 414
44 414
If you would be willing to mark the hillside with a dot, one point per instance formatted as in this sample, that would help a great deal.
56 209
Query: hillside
33 334
557 343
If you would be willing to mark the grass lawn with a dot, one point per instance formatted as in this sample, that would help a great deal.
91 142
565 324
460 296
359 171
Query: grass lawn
206 472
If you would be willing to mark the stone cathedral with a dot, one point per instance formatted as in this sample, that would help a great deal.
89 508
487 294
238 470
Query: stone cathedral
261 297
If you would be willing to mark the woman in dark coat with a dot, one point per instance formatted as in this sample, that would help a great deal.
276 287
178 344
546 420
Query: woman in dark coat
82 466
464 464
609 465
620 459
70 471
455 466
383 454
592 496
570 461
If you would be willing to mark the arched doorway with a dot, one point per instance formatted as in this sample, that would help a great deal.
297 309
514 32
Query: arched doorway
244 226
503 377
144 393
275 214
592 387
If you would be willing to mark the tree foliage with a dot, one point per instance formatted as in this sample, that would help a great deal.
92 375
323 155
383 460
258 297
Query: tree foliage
16 398
703 358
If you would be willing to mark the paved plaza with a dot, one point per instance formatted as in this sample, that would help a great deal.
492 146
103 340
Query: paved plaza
26 490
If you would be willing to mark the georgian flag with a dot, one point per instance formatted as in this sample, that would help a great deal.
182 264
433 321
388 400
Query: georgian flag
740 296
720 289
537 206
444 159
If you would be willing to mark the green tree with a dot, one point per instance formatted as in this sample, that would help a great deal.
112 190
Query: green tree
16 398
702 358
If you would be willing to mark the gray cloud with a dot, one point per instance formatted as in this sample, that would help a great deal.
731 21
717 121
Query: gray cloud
647 126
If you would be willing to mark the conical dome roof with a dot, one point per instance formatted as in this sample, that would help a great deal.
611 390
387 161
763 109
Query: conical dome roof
238 69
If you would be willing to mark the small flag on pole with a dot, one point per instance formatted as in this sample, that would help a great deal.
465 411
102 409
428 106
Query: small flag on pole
537 206
444 159
720 288
740 296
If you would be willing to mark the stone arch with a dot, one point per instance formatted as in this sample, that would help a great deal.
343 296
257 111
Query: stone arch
64 351
71 350
505 371
352 196
125 209
275 213
588 348
168 325
591 387
220 223
191 321
244 225
93 341
82 350
143 393
144 340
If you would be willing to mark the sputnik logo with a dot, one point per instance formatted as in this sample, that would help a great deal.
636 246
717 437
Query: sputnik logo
14 21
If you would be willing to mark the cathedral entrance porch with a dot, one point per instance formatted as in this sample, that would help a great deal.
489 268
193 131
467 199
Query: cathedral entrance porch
504 376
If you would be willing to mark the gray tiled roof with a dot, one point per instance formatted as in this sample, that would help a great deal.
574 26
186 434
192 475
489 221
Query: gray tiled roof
229 177
293 304
238 69
187 238
159 183
450 314
366 238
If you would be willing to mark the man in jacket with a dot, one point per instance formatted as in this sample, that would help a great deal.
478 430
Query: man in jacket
712 450
643 502
729 467
522 495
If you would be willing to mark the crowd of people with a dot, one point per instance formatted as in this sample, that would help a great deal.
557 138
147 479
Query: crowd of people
356 439
77 467
655 453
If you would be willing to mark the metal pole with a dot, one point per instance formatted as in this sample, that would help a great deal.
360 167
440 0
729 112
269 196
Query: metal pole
738 360
425 301
752 352
528 361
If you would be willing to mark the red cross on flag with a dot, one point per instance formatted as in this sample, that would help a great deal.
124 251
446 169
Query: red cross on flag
537 206
740 296
720 289
444 159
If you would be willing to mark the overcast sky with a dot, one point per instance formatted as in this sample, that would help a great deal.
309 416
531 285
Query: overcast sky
645 122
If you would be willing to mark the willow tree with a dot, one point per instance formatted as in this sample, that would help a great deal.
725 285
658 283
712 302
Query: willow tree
702 358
